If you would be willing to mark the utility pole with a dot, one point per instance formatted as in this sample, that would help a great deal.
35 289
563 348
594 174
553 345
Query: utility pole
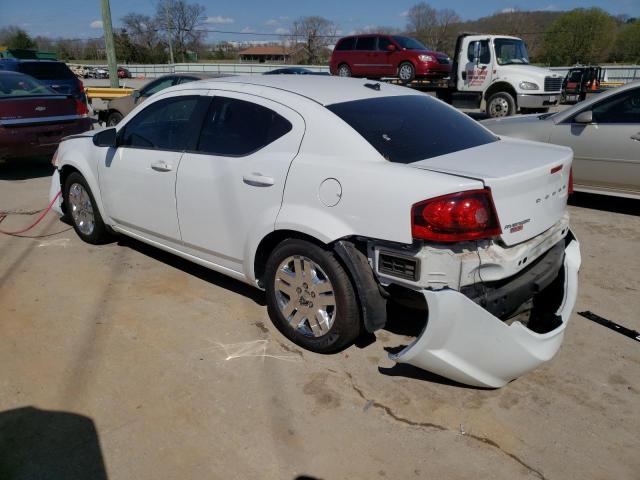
107 29
166 14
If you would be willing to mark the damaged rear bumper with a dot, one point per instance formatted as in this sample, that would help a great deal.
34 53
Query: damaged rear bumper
464 342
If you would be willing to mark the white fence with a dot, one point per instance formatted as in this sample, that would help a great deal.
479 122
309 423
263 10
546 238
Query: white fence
612 73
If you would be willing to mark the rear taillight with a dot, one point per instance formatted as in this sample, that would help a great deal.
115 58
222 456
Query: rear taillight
570 180
81 108
80 86
461 216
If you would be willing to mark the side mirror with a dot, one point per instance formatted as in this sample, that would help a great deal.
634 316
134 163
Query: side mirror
391 47
136 94
105 138
584 117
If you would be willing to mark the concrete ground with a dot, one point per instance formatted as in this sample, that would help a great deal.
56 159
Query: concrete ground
123 362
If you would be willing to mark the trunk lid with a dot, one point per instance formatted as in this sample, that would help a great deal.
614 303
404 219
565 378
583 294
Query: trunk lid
528 182
28 110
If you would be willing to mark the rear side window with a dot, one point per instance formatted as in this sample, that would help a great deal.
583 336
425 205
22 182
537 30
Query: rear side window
410 128
163 125
366 43
158 85
46 70
236 128
346 44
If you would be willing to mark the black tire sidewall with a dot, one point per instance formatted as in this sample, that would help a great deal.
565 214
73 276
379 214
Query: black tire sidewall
510 100
112 116
99 234
347 324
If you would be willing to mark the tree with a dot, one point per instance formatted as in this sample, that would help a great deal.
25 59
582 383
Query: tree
14 37
430 25
627 44
143 35
314 34
179 21
579 36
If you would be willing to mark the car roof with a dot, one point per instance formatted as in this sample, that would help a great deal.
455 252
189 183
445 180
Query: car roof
578 107
322 89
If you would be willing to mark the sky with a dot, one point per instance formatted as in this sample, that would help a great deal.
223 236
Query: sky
82 18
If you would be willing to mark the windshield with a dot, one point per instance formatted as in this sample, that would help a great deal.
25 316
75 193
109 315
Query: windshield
16 85
409 128
409 43
510 51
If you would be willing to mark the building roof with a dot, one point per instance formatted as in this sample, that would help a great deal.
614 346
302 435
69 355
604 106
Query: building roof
267 50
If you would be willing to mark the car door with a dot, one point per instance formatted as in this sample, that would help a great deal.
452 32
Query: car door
387 59
138 179
475 75
606 151
229 190
364 56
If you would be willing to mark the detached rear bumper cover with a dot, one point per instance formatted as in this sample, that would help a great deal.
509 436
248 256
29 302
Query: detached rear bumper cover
464 342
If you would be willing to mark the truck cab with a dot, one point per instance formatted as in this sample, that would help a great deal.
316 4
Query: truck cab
493 72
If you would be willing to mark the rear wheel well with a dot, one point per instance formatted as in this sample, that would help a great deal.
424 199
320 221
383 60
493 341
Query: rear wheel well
269 243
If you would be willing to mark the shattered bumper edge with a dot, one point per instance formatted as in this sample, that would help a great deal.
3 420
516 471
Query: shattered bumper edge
463 342
54 188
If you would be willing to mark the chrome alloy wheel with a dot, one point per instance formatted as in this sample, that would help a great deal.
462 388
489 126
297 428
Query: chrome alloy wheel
406 72
499 107
305 296
81 208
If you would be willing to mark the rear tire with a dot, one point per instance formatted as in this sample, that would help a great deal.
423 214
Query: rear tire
344 70
501 104
297 275
82 210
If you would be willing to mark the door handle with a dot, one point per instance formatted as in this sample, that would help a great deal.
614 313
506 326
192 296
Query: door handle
257 179
636 137
161 166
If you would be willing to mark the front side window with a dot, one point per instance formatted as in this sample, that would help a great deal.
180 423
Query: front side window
366 43
163 125
157 85
510 51
383 43
236 128
406 129
485 54
621 108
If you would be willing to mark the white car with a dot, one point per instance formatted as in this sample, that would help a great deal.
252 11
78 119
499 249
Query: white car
335 194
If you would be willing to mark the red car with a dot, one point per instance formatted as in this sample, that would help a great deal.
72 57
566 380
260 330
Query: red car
376 56
34 118
123 73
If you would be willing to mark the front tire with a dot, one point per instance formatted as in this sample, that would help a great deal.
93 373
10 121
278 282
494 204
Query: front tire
113 119
406 72
501 104
310 297
81 208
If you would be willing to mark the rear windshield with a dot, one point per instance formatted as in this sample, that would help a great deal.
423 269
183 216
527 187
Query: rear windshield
410 128
17 85
46 70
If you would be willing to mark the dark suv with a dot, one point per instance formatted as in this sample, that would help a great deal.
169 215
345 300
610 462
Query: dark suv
376 56
53 74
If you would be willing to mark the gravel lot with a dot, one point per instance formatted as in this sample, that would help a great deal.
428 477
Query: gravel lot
124 362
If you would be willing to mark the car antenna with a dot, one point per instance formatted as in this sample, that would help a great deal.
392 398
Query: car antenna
373 86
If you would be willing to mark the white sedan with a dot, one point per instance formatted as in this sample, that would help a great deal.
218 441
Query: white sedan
334 195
